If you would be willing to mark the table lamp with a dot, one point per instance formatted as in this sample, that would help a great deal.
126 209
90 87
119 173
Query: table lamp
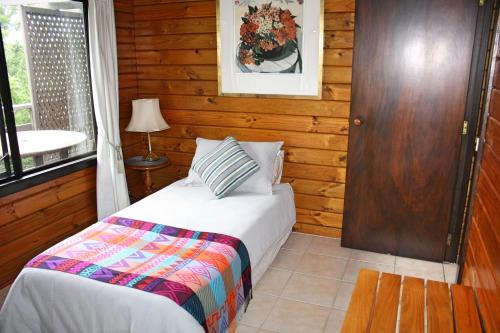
147 118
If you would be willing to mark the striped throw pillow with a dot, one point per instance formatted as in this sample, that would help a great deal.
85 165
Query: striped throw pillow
225 168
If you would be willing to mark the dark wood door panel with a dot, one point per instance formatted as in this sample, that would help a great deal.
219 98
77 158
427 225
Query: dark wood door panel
410 78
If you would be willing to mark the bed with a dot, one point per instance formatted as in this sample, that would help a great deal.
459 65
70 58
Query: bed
50 301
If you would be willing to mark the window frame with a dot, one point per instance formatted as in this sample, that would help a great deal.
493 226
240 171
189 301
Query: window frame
18 179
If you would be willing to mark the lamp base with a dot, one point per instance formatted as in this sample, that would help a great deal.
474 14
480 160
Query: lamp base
151 157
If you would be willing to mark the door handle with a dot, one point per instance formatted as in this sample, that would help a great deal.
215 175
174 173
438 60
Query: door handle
358 121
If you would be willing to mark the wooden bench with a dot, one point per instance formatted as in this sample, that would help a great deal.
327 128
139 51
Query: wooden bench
377 297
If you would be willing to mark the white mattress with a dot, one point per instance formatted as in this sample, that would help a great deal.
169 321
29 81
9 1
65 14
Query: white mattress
48 301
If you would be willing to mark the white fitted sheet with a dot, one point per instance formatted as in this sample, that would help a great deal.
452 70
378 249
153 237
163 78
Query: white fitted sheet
48 301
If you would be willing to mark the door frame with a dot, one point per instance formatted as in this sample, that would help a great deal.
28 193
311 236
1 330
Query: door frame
475 98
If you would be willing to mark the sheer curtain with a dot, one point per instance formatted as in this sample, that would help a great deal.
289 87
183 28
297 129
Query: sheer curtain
112 192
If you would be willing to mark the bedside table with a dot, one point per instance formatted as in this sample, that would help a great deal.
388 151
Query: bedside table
137 163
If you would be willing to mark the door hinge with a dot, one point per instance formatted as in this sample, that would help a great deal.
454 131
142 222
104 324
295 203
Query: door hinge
481 3
448 240
465 128
476 149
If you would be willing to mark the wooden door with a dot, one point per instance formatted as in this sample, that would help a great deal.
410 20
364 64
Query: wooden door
410 79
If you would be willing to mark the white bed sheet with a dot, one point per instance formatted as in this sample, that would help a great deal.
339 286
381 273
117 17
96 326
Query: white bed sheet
47 301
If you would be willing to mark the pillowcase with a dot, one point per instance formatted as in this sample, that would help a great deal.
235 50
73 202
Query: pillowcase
264 153
278 167
225 168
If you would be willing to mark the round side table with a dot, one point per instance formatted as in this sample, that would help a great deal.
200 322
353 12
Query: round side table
137 163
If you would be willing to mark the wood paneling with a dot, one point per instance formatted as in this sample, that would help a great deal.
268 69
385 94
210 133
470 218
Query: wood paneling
34 219
482 267
176 61
127 81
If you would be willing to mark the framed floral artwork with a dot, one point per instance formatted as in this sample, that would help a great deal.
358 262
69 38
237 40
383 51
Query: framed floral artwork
272 48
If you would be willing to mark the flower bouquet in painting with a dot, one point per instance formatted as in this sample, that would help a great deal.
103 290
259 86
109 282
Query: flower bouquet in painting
270 47
269 37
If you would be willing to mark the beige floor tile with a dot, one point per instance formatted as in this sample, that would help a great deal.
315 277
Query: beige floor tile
258 310
311 289
377 258
246 329
450 273
427 275
353 267
343 296
298 242
420 265
322 266
335 321
420 268
286 259
328 247
266 331
273 281
291 316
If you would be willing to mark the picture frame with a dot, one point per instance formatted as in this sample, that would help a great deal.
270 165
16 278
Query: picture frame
270 48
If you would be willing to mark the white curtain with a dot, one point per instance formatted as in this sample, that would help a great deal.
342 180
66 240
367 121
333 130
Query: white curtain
112 192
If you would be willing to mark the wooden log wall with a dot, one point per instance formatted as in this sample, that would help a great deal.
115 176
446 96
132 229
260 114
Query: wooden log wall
482 266
175 45
35 219
127 83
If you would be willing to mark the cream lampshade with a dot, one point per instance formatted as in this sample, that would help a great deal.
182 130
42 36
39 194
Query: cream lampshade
147 118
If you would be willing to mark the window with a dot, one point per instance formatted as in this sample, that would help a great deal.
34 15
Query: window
46 101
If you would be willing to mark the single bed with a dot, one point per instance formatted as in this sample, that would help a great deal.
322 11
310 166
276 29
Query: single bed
50 301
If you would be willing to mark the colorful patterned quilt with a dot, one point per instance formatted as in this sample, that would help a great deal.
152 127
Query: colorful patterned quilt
208 274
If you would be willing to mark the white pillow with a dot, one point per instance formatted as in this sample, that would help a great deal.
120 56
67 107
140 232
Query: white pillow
264 153
278 167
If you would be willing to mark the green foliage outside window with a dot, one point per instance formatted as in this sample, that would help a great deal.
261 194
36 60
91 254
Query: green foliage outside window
16 61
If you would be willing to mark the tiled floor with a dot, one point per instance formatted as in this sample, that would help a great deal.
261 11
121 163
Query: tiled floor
309 285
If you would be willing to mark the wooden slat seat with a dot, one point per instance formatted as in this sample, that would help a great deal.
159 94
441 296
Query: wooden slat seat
412 306
464 309
439 317
386 305
360 308
376 299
